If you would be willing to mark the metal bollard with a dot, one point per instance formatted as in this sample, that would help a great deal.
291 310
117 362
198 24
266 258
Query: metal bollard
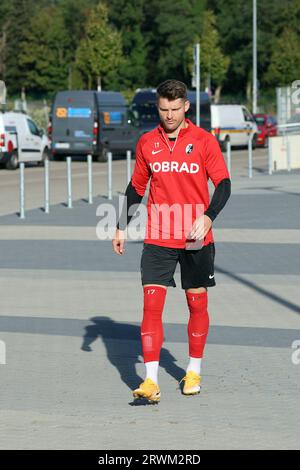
22 191
128 156
250 156
109 175
69 172
90 179
288 153
270 160
228 156
46 167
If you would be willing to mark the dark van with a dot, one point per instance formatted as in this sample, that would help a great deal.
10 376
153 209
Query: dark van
116 130
145 114
143 109
73 126
90 122
205 116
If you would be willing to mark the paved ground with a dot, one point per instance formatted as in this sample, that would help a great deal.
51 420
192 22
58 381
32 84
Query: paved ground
70 313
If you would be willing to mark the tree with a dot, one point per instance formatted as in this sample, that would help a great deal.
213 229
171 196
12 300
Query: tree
100 51
76 14
234 21
5 10
170 27
17 20
285 60
127 17
44 55
213 63
289 15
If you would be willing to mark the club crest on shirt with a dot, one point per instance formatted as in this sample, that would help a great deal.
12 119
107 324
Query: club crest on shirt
189 148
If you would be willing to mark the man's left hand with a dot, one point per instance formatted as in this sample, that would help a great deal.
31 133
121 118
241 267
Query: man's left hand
201 227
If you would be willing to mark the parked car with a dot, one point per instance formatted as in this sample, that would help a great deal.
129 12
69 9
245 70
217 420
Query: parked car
143 109
116 131
86 122
205 111
23 140
234 123
145 114
8 145
73 125
267 127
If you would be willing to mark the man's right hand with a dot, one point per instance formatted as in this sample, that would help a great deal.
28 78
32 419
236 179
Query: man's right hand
119 242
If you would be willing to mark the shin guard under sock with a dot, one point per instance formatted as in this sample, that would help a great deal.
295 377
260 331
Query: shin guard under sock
152 328
198 323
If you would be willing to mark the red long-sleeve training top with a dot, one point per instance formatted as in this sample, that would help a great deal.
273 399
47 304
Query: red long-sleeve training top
179 173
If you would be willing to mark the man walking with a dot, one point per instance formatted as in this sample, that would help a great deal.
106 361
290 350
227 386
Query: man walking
178 158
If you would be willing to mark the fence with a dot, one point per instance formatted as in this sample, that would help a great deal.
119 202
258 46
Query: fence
69 181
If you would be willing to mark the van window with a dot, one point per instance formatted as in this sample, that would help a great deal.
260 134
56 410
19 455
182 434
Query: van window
72 112
32 127
205 118
146 112
10 128
247 115
260 120
79 112
272 121
113 117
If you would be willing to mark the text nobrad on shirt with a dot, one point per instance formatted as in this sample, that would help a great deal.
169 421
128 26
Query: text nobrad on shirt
179 173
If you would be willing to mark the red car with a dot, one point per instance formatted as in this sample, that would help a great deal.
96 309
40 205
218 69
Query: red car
267 127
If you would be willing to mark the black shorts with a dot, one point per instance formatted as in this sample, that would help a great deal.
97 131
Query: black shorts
158 264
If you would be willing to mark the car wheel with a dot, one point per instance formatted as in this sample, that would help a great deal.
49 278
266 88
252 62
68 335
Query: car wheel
13 162
223 144
102 156
254 142
44 156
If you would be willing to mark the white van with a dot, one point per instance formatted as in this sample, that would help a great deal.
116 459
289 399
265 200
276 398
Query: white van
32 143
8 144
234 123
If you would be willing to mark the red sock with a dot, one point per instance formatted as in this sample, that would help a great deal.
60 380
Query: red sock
152 328
198 323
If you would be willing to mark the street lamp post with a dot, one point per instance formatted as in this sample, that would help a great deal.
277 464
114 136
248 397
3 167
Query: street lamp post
254 93
197 63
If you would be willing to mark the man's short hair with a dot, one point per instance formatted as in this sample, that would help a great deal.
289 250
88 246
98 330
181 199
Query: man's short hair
172 90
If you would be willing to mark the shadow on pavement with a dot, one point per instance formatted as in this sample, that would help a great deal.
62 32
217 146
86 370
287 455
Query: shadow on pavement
125 354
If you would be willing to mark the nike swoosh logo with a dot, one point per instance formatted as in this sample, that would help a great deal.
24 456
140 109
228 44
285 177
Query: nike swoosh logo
154 152
210 277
